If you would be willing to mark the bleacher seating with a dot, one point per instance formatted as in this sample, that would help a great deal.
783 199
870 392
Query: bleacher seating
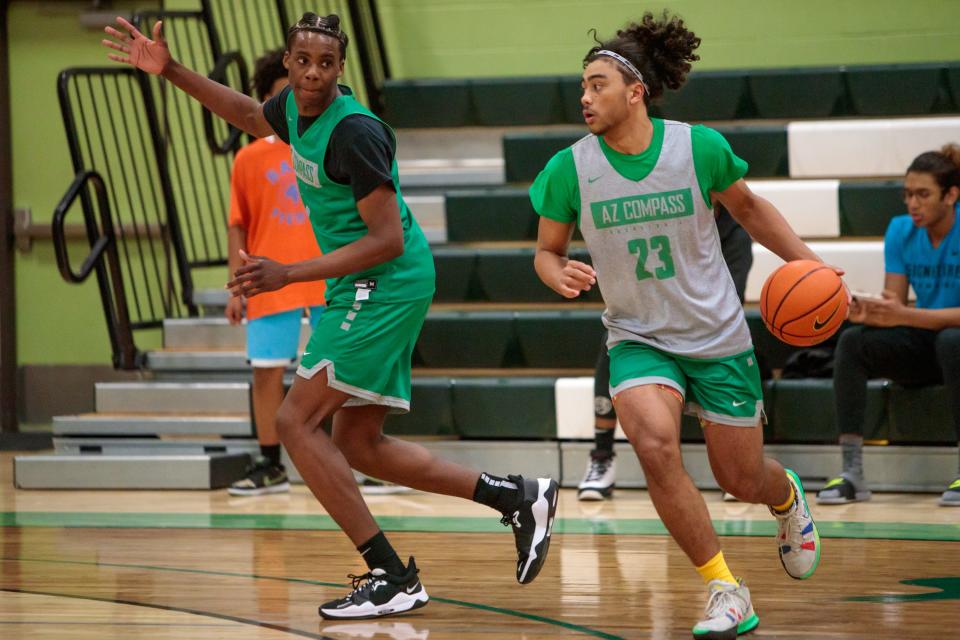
800 92
814 208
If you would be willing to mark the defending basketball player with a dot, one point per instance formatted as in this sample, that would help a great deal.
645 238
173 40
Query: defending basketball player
640 189
380 281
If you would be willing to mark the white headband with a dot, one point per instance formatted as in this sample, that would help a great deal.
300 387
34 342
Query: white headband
629 65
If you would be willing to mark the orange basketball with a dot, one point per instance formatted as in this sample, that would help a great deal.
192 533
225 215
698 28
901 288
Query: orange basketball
803 303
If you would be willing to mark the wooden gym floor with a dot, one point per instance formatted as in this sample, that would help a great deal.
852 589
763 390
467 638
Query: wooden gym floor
204 565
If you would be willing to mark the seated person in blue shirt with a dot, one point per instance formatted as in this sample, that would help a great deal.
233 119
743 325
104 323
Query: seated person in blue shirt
913 346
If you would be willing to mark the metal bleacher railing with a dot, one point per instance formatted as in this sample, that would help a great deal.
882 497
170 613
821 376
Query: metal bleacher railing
152 167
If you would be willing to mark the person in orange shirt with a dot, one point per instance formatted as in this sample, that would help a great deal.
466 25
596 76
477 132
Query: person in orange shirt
267 218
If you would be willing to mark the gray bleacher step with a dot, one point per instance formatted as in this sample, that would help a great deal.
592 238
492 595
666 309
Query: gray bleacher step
211 299
93 424
430 212
172 397
128 472
445 172
154 447
211 361
889 468
212 334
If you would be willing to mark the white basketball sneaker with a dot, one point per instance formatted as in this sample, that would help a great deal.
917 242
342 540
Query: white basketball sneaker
729 612
797 538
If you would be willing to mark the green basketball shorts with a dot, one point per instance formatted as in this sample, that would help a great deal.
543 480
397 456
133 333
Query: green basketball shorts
366 348
722 390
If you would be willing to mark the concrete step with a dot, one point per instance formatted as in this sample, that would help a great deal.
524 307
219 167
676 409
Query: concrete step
890 468
173 397
212 334
128 471
67 446
430 212
140 424
200 361
452 173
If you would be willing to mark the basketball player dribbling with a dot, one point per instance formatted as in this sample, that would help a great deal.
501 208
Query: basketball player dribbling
640 189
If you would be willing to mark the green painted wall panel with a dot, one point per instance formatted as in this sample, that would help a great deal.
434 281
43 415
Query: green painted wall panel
464 38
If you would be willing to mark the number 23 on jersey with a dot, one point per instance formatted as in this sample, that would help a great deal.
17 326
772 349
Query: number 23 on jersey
659 245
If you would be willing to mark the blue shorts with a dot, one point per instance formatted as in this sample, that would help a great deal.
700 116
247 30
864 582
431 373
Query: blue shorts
274 340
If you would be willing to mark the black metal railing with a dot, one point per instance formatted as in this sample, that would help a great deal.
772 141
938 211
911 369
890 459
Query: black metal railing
131 223
198 147
153 166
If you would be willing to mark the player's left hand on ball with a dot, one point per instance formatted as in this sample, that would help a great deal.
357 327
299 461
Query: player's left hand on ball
257 275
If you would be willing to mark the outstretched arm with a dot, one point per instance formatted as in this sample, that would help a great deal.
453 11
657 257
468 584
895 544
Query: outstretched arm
153 56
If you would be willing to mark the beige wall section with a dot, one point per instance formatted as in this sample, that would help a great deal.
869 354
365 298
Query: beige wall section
464 38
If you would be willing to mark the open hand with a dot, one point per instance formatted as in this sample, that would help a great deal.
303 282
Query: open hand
575 278
145 54
257 275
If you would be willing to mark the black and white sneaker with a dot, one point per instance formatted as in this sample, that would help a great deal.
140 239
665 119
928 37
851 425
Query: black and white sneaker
600 477
262 478
532 524
377 593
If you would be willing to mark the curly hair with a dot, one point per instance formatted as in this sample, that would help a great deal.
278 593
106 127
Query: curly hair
660 48
266 71
943 165
327 25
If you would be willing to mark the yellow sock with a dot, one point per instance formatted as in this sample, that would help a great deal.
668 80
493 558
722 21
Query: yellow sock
716 569
789 503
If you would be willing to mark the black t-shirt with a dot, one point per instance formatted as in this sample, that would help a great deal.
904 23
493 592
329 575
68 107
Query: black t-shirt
360 151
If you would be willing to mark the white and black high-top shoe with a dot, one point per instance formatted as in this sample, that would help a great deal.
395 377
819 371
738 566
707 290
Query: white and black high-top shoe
532 524
377 593
600 477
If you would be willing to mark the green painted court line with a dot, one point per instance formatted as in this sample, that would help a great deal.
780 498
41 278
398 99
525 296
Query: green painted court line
459 603
436 524
943 589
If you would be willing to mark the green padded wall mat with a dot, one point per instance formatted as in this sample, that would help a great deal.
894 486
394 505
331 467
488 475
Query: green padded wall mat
505 407
516 101
559 339
428 103
717 95
465 339
431 410
486 215
802 411
894 90
455 270
867 207
921 416
796 93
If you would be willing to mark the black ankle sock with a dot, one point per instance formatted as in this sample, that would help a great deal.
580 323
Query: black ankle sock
604 440
499 493
271 452
379 554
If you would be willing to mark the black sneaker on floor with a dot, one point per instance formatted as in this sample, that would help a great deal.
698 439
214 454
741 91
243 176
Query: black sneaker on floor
377 593
842 490
532 524
262 478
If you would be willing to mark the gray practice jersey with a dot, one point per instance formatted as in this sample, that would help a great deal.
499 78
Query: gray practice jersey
656 251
